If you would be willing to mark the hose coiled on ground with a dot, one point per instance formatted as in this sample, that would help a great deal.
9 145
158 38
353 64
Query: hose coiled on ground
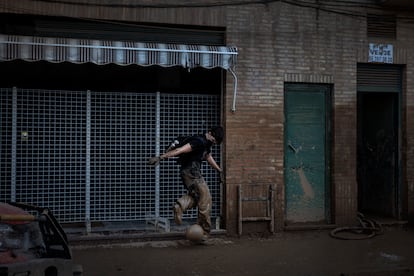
367 229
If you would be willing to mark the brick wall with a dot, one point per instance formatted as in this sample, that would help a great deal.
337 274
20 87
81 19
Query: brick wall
279 42
405 55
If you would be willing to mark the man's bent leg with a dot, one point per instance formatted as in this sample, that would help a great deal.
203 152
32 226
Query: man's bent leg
204 206
183 203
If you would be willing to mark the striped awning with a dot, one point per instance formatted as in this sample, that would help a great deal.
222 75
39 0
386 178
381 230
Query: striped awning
31 48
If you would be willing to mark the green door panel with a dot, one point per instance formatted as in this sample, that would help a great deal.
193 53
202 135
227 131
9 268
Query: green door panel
305 153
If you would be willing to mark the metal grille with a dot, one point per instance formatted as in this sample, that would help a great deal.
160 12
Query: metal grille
5 144
122 139
50 151
84 154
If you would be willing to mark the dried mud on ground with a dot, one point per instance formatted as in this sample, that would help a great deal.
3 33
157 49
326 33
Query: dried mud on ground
288 253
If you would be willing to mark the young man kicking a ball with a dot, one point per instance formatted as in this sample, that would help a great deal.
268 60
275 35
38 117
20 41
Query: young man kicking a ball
191 153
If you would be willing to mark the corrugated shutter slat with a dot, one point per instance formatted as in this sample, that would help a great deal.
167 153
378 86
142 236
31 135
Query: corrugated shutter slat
379 78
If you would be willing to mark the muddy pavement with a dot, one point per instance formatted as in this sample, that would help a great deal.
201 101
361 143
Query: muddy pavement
288 253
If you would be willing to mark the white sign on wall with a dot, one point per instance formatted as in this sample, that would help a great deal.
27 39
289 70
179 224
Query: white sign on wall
380 53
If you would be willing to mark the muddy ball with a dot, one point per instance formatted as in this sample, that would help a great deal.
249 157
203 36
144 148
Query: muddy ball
194 233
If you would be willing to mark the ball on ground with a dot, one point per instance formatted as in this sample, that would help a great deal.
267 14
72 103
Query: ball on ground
194 233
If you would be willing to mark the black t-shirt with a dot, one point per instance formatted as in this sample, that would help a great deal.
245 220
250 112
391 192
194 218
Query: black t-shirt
200 148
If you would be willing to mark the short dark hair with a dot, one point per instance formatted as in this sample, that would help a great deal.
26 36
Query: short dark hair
218 133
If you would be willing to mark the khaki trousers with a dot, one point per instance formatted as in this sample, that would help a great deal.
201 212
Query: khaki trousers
198 195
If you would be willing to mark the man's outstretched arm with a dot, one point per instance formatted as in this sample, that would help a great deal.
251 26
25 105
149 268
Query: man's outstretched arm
175 152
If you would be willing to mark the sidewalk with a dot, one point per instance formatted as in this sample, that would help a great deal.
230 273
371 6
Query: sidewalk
287 253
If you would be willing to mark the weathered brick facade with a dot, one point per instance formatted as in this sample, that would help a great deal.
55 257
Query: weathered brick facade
286 43
277 43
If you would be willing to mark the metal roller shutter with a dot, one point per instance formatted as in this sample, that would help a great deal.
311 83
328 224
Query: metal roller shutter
379 78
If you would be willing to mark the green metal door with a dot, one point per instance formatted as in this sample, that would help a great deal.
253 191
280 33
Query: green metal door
306 163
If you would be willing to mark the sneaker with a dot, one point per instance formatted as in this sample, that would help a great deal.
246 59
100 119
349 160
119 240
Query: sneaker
178 214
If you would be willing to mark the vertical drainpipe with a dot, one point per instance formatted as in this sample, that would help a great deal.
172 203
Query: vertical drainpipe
88 164
157 152
233 106
14 146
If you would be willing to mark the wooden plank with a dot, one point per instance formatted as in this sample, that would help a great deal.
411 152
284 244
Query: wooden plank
256 219
239 191
255 198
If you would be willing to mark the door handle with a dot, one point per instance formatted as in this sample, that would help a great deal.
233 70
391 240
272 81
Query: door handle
292 147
